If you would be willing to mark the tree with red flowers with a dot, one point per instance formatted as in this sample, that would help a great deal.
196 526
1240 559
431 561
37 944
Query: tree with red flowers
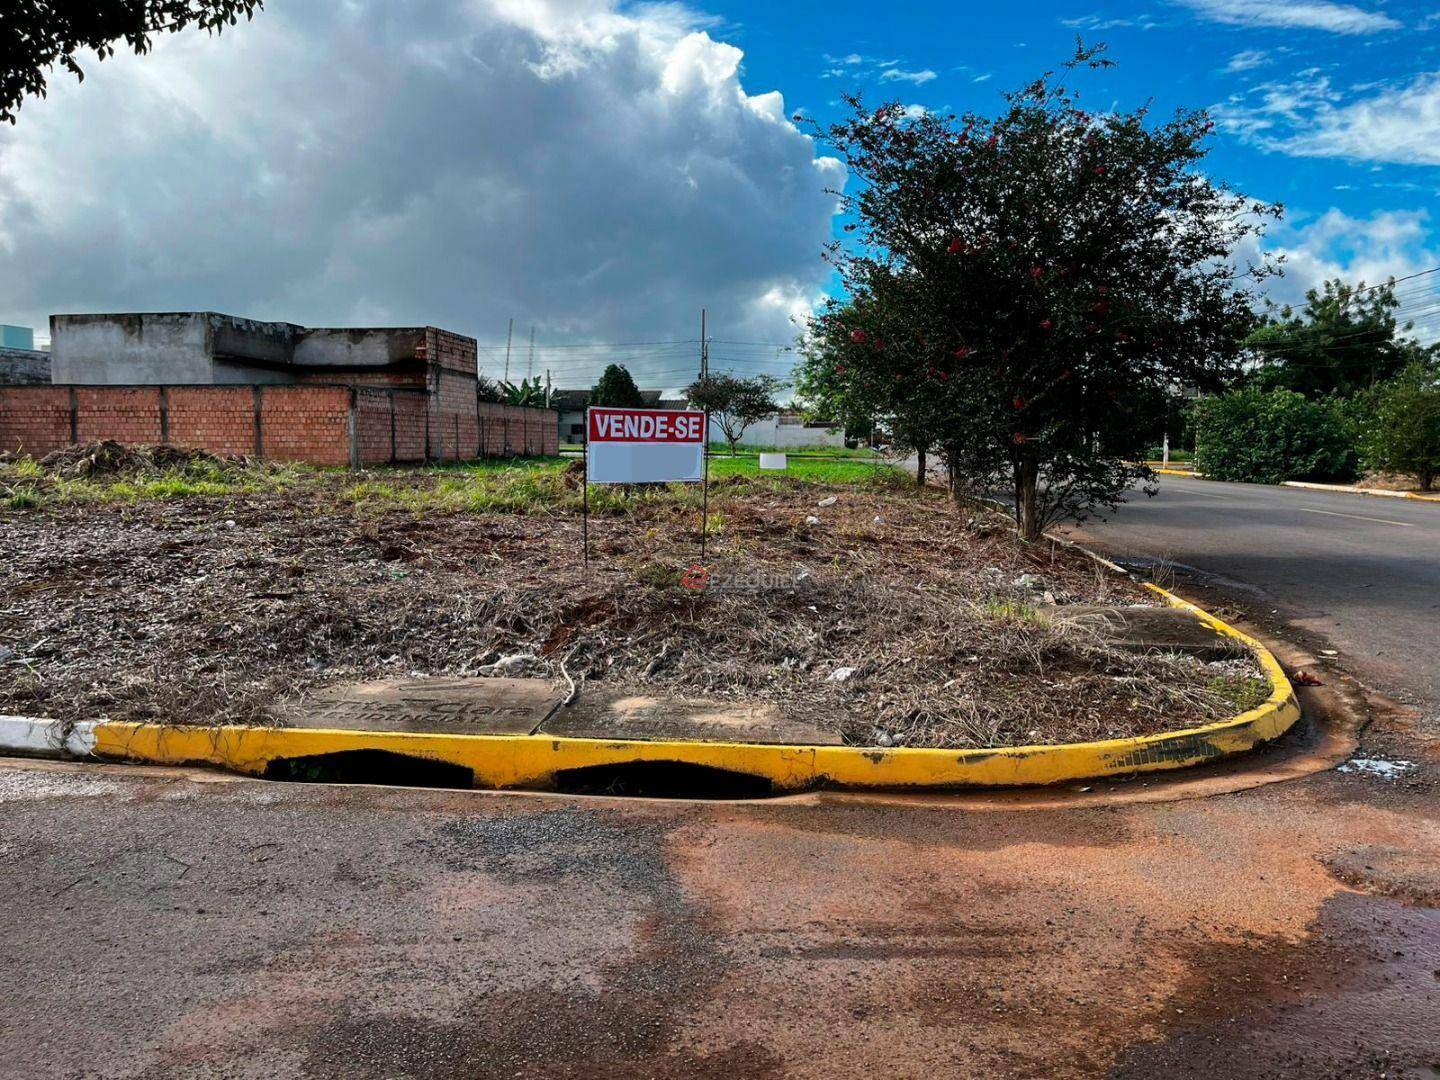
1016 286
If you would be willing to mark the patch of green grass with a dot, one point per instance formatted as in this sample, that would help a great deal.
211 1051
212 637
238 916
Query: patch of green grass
542 486
814 471
1245 692
818 450
1007 609
25 485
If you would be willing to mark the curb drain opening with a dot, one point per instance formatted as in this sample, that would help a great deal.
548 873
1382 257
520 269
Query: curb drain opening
370 767
662 780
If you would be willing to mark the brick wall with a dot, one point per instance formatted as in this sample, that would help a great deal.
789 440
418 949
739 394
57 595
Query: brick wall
308 423
34 419
218 419
286 423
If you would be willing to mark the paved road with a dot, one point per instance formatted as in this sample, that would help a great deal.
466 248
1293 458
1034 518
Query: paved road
158 924
1363 571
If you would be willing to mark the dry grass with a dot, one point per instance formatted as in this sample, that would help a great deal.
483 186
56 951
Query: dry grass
211 607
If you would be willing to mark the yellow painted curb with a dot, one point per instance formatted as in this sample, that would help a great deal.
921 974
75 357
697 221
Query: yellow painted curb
532 761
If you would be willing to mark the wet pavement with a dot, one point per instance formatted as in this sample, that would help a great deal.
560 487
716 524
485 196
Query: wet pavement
160 923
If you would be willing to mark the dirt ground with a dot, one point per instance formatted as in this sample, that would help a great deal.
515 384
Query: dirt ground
866 607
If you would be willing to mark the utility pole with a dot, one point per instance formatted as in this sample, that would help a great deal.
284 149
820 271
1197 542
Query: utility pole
509 333
705 449
530 364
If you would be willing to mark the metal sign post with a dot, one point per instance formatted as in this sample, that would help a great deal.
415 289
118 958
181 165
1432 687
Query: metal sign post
642 446
585 489
705 480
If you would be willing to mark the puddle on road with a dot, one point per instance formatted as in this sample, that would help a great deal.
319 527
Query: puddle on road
1378 768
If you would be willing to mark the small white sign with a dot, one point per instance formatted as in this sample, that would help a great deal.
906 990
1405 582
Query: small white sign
644 446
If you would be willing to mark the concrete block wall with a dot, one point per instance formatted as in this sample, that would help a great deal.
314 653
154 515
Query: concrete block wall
322 425
307 423
35 419
128 416
221 420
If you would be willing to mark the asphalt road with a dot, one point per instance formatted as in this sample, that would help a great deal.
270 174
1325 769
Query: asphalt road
1362 571
162 924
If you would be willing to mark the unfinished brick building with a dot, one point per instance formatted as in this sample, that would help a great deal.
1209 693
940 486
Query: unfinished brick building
292 393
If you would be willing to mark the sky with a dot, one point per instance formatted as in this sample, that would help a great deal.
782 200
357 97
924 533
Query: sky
600 171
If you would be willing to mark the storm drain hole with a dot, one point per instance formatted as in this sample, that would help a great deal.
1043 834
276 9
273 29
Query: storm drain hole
371 767
662 780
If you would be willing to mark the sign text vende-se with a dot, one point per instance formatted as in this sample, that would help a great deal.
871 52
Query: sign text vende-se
645 446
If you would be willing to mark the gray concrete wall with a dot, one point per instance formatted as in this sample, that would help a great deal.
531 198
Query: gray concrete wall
24 367
209 348
357 347
171 348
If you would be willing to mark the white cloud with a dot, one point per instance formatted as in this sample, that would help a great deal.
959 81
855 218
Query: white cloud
1248 60
1100 22
895 74
983 78
1398 125
1294 15
597 170
1388 243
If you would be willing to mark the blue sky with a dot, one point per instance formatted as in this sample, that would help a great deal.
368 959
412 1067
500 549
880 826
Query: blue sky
599 170
1250 62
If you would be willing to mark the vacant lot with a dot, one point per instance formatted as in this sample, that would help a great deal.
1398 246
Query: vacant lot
190 590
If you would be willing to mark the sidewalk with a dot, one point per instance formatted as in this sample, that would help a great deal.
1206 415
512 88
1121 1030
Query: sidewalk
1351 489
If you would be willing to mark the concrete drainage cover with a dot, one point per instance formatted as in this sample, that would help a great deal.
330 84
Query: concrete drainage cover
490 706
599 715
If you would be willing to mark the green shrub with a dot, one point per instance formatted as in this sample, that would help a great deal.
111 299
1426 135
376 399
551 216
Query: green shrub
1266 436
1401 430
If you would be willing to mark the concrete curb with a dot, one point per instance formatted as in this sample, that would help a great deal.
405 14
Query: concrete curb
533 762
1348 489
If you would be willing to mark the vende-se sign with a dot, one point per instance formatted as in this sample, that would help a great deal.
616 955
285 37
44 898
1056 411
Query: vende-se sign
644 446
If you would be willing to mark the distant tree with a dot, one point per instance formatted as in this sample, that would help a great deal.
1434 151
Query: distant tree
734 403
35 35
528 393
1402 430
1345 339
616 389
1267 436
488 390
1021 284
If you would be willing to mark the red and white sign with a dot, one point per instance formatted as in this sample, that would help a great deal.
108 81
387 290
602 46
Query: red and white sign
644 446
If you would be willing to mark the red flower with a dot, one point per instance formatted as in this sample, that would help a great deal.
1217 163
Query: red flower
857 336
956 246
1019 437
1102 289
1037 271
1046 324
962 352
1101 306
1099 170
941 376
877 345
1120 335
1019 403
839 369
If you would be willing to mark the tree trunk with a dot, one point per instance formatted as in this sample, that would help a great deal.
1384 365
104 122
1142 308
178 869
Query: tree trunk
1027 515
920 468
1427 480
